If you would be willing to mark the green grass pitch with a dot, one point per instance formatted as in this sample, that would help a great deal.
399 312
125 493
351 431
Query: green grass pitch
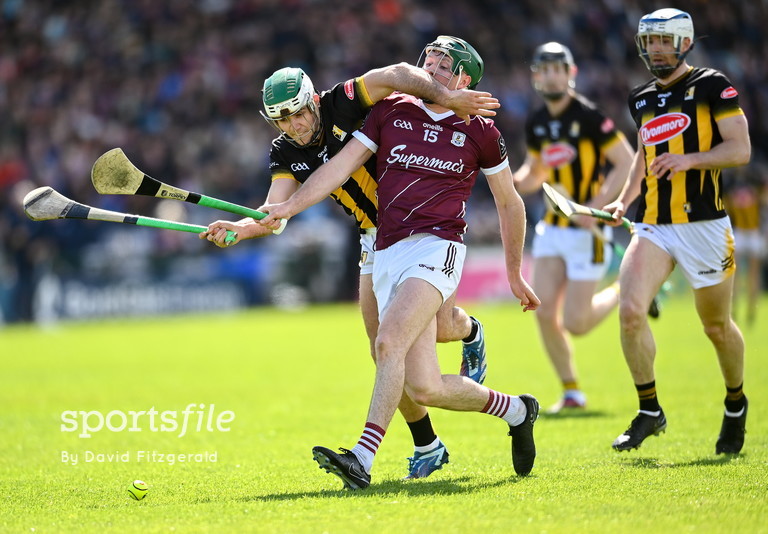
298 379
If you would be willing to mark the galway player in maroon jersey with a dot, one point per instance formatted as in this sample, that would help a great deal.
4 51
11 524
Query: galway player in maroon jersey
427 162
313 128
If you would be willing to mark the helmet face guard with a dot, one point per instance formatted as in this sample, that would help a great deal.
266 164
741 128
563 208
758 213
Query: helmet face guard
557 53
667 22
465 58
287 93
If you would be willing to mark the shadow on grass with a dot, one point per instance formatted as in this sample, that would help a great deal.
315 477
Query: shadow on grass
654 463
574 414
394 487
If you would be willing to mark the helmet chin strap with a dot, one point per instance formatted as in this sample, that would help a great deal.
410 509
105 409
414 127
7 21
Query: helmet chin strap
663 72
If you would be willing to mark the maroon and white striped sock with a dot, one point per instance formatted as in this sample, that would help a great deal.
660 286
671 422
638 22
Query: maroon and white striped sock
507 407
369 442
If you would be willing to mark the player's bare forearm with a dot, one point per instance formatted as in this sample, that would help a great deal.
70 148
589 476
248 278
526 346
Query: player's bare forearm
511 211
531 174
321 183
512 226
413 80
621 156
246 228
512 218
631 188
734 150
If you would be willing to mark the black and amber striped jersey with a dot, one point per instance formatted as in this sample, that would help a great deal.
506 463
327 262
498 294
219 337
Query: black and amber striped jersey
342 110
742 202
572 146
680 119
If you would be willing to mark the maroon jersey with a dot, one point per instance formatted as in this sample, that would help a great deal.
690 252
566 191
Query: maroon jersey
426 164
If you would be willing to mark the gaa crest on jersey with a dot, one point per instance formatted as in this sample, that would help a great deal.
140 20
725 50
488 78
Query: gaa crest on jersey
575 129
458 139
689 93
558 154
663 128
338 133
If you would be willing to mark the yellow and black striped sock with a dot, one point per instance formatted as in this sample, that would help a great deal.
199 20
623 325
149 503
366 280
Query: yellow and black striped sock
647 395
570 385
734 398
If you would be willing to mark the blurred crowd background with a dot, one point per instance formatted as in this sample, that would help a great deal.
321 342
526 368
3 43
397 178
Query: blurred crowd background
177 84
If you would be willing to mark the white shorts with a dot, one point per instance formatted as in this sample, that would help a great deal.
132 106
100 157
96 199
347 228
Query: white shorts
749 243
576 247
703 250
367 241
424 256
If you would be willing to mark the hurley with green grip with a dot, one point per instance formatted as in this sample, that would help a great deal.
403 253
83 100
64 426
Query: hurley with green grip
45 203
114 174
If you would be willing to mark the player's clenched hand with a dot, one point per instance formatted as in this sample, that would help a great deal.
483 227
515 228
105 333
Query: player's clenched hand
466 103
524 292
217 233
617 209
275 212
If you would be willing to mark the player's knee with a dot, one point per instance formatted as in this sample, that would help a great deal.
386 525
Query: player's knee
423 394
632 314
716 332
578 326
446 332
386 348
453 325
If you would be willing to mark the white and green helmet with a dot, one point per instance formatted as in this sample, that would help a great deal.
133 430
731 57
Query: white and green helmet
668 21
286 93
465 57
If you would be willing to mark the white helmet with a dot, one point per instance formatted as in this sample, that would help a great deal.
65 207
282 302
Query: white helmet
667 21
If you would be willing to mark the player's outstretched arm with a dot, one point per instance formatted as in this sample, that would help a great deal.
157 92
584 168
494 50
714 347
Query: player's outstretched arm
321 183
413 80
280 190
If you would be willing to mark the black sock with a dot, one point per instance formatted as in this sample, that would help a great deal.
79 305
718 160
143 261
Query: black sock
735 399
422 432
647 395
473 332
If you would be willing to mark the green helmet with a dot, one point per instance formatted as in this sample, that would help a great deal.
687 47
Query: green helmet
465 57
287 92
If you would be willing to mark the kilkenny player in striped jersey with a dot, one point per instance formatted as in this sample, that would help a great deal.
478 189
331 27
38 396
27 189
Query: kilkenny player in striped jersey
744 194
690 126
312 128
570 144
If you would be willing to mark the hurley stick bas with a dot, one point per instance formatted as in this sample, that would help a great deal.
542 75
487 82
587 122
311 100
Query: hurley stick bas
114 174
45 204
